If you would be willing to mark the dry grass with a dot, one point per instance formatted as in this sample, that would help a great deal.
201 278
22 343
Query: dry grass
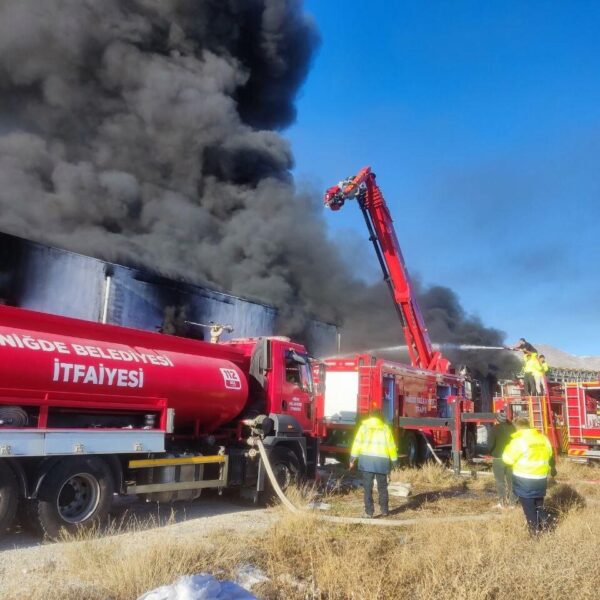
497 560
435 491
568 469
111 568
430 474
585 478
308 558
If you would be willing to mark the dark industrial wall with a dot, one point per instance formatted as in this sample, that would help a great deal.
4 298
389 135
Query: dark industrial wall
51 280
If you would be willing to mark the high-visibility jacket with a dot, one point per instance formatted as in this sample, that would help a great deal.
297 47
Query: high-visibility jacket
529 453
532 364
374 446
544 367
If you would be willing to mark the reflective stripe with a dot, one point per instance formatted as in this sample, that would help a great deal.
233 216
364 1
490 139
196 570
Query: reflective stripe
378 443
527 476
373 455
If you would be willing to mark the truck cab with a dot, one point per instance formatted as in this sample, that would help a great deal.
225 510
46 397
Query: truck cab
282 386
281 378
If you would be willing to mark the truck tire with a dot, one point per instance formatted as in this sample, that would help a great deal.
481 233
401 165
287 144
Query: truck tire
424 452
286 467
9 496
74 494
470 443
411 449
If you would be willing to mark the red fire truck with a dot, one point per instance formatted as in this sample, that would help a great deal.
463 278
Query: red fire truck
583 419
569 414
88 410
428 406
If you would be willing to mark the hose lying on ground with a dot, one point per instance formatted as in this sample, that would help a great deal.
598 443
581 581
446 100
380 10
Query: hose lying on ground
358 521
437 458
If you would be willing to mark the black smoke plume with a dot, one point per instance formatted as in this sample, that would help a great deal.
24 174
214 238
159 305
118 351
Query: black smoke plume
145 132
446 321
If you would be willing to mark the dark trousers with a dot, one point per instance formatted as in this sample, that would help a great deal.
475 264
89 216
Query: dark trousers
503 478
382 490
537 518
529 382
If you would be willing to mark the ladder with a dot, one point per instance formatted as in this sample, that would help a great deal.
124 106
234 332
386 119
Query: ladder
575 413
542 419
537 418
365 391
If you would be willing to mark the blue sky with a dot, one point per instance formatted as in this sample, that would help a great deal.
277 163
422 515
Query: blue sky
482 122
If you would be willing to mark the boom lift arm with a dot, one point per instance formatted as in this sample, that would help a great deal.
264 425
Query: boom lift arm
363 188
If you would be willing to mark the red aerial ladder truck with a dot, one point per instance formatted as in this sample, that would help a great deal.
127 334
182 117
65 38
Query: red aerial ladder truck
426 403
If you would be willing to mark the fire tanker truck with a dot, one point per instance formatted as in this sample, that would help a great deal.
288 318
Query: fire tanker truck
428 406
89 410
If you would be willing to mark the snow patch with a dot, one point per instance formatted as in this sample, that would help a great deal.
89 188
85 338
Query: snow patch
248 575
199 587
318 505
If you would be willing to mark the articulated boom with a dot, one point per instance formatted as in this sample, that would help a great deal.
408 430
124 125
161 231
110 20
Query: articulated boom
363 188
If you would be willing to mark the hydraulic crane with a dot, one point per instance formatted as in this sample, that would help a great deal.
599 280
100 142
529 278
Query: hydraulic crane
364 189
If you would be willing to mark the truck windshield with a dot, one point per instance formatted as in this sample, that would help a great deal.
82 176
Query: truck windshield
297 370
306 377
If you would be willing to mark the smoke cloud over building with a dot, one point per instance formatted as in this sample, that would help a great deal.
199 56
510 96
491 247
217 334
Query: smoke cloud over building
146 132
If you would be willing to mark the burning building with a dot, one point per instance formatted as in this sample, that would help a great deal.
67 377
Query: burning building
48 279
147 133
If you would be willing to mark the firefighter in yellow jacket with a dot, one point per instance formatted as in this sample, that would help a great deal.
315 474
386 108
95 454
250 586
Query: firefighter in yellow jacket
540 374
530 456
375 449
531 370
530 365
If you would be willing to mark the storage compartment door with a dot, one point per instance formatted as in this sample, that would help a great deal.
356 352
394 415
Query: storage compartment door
341 396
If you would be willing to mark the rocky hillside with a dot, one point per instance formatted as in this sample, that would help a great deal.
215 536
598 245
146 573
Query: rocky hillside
558 358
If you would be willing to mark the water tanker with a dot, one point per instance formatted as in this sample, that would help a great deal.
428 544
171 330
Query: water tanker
88 410
105 365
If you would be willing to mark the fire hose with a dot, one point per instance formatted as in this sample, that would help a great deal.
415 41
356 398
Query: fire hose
355 520
437 458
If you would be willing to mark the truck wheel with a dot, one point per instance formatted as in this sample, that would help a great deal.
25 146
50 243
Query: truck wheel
9 496
286 467
74 494
470 442
411 449
424 452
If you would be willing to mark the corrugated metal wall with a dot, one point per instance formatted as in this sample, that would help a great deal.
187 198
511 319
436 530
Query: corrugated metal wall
51 280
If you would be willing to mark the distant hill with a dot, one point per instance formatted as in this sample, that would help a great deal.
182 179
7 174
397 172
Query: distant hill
559 358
